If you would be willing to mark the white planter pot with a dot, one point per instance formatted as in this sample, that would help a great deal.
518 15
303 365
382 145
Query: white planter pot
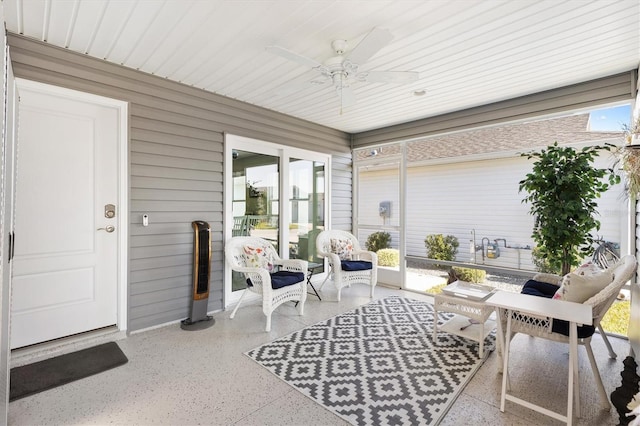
387 275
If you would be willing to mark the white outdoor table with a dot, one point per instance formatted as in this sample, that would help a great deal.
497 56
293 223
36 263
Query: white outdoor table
476 310
574 313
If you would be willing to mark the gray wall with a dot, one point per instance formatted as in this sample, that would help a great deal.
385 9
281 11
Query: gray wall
176 166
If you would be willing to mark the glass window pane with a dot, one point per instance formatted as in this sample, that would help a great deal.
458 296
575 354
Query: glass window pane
306 208
255 199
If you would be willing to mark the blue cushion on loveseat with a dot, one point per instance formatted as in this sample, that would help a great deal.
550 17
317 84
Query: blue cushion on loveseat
539 288
562 327
355 265
282 279
542 289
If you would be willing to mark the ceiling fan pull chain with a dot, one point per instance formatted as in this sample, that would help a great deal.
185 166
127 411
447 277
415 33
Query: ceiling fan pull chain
341 92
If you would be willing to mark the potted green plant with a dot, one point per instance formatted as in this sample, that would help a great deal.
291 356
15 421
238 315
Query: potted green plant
562 189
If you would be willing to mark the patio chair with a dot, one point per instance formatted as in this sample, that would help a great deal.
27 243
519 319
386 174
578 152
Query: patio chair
549 327
276 280
348 262
239 226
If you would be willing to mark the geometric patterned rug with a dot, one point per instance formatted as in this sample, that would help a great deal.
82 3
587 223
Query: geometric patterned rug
377 364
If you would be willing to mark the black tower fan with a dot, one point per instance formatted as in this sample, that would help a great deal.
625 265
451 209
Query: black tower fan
201 276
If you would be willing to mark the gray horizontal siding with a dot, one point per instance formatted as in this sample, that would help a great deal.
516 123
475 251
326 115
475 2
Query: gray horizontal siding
616 88
175 168
341 193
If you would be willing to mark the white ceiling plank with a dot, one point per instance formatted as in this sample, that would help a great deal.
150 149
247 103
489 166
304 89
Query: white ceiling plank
130 58
96 28
13 16
221 58
45 20
32 18
468 53
60 18
203 32
142 16
89 23
111 22
115 33
159 32
176 34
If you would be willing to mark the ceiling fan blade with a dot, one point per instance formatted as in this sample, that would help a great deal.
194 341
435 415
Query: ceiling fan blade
321 79
347 96
293 56
370 45
398 77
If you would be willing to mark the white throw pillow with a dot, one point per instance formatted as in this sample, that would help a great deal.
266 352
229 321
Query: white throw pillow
258 257
579 288
588 268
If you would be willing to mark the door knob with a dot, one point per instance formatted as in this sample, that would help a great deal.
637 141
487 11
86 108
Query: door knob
109 229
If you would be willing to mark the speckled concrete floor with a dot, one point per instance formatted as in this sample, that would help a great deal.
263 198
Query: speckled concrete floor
186 378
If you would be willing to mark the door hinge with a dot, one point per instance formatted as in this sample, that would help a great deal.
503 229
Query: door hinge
12 244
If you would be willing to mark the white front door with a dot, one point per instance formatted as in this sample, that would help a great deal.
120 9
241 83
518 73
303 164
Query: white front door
8 114
65 277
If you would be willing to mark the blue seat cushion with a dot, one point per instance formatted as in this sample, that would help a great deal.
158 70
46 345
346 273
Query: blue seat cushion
562 327
542 289
539 288
282 279
355 265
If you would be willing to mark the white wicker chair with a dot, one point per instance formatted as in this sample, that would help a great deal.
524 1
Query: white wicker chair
239 252
344 278
600 303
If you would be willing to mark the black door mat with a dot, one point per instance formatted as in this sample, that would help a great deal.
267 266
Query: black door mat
50 373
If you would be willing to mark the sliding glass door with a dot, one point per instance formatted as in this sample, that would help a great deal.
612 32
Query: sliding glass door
256 174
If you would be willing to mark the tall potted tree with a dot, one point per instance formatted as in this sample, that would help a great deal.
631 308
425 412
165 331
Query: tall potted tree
562 189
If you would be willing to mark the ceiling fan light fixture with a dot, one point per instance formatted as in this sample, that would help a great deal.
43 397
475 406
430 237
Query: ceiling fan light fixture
339 46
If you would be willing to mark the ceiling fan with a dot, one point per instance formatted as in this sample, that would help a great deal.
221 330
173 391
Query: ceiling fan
342 70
